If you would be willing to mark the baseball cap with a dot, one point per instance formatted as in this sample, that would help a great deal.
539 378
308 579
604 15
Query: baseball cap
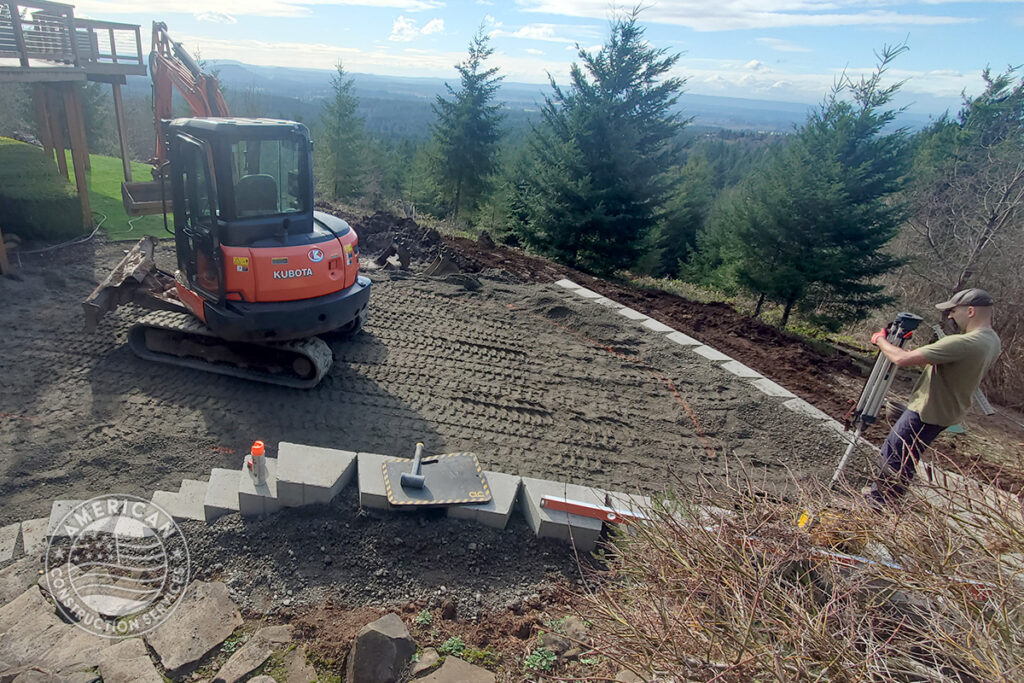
967 297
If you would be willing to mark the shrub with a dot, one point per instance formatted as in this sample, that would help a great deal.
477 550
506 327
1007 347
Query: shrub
35 201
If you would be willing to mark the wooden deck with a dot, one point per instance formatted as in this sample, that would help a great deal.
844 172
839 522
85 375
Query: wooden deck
43 41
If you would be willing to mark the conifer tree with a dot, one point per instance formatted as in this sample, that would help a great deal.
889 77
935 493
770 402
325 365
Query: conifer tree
602 154
342 163
467 132
807 228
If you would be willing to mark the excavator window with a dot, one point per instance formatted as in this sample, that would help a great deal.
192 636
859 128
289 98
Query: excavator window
265 174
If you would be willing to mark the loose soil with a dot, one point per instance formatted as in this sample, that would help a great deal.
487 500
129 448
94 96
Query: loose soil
494 359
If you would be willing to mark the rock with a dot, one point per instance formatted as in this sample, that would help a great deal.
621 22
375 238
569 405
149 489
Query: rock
297 668
427 661
31 632
555 642
485 240
627 676
16 577
448 610
203 620
34 676
262 679
454 670
381 651
128 661
575 629
253 654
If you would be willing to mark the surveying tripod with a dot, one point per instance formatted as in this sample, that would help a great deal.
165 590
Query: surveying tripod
877 385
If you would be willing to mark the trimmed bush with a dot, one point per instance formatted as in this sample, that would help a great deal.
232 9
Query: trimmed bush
35 201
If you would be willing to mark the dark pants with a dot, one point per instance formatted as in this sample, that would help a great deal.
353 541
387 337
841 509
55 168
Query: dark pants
904 445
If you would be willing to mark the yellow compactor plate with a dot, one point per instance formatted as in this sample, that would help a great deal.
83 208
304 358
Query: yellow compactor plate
450 479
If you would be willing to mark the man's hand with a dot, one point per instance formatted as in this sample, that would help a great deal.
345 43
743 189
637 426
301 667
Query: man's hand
881 334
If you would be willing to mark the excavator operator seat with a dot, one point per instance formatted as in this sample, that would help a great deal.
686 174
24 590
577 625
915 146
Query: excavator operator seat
256 195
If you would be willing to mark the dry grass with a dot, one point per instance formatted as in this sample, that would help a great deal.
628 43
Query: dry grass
748 595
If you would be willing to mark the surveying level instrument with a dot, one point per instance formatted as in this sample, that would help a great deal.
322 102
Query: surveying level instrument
877 385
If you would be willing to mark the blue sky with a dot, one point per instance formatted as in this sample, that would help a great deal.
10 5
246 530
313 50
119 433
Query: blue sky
762 49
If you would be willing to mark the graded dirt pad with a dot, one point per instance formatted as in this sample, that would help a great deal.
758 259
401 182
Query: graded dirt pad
529 377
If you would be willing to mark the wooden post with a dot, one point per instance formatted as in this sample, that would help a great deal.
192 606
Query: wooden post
122 135
5 266
79 149
57 131
42 118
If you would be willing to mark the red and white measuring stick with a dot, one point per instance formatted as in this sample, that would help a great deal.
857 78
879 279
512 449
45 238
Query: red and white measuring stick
602 512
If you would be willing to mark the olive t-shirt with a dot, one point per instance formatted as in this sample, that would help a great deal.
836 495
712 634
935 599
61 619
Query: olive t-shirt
957 363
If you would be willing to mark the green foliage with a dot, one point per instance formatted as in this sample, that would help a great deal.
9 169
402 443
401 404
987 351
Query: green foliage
424 618
467 131
486 657
453 646
686 210
598 178
342 161
808 228
35 201
541 659
15 108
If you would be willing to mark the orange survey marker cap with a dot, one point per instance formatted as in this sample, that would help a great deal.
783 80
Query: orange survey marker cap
257 448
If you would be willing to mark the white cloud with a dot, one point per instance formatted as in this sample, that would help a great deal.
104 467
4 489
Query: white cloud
405 29
727 15
533 51
552 33
782 45
755 65
216 17
433 26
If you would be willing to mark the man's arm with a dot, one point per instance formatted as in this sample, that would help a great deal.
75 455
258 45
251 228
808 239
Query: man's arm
900 357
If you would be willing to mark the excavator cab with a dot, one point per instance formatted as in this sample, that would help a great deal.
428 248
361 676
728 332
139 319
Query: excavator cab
255 261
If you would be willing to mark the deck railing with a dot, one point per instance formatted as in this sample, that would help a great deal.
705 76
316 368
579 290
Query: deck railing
49 31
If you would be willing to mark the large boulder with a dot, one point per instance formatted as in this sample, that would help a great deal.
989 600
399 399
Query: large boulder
381 652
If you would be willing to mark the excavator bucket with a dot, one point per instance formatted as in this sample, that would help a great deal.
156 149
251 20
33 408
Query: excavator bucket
135 279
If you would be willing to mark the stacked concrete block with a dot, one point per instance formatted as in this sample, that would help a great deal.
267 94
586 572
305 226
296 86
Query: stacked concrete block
582 532
656 326
221 493
567 284
713 355
33 535
630 503
608 303
682 339
254 499
740 370
370 470
308 475
631 314
798 405
9 540
587 293
191 499
766 386
58 511
496 513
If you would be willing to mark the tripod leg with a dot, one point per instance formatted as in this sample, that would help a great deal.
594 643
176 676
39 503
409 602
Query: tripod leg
846 457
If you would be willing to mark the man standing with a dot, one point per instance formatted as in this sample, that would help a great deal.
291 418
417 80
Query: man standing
954 368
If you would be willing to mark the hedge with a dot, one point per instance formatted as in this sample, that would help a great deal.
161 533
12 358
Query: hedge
35 201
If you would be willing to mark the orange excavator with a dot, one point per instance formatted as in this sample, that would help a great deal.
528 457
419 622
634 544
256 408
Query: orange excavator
260 273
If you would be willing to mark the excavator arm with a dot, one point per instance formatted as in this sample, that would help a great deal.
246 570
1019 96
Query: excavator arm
172 67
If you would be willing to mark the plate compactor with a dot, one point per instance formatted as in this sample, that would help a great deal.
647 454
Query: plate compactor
437 481
260 273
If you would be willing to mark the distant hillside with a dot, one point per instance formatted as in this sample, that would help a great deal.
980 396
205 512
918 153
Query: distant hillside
298 94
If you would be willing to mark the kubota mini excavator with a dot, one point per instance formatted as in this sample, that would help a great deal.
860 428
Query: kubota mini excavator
260 273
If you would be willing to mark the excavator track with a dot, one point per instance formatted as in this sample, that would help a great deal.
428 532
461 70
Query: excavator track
181 339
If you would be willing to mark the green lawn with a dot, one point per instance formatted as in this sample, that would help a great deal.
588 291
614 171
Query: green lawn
104 181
